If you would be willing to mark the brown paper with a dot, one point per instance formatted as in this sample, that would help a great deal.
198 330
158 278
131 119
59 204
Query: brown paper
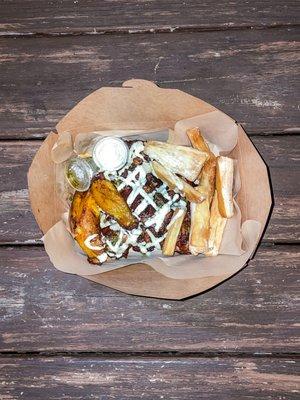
145 107
67 256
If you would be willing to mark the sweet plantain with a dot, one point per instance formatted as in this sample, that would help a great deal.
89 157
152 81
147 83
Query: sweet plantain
84 222
110 201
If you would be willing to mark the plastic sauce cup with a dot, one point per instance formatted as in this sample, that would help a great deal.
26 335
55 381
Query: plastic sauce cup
79 173
110 153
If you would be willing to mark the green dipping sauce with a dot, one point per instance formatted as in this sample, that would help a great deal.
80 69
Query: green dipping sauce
78 174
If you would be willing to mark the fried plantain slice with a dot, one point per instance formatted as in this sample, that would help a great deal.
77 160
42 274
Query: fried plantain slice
84 222
76 208
110 201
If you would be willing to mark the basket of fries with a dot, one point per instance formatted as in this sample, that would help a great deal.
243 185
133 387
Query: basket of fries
149 191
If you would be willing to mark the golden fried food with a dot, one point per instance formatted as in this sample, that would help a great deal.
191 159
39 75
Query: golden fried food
224 185
173 181
76 208
110 201
208 178
168 197
174 227
200 213
217 225
180 160
198 141
84 221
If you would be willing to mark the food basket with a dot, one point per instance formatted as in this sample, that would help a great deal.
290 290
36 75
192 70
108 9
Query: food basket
142 106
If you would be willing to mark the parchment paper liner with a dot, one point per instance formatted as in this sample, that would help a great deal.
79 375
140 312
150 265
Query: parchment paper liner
238 242
142 105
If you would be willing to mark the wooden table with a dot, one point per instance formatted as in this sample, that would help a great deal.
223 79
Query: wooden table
63 337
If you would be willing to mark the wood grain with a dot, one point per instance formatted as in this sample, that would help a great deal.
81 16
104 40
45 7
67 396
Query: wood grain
251 75
17 223
43 309
149 378
52 54
109 16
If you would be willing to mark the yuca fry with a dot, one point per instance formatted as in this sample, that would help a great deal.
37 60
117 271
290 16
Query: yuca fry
76 208
199 231
217 225
208 179
173 181
173 232
181 160
224 185
198 141
110 201
200 213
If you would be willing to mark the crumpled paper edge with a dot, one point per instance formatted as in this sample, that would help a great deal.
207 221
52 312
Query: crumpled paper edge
166 266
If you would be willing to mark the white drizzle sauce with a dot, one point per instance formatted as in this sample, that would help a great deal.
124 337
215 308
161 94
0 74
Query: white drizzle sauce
136 179
159 217
102 258
91 246
175 217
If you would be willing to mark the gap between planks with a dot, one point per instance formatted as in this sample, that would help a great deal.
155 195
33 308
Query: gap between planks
144 30
146 354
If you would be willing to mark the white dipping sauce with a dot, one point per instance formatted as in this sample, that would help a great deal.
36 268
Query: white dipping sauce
110 154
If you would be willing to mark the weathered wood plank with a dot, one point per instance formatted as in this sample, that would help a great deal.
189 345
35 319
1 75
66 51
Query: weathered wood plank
149 378
43 309
250 75
17 223
130 16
